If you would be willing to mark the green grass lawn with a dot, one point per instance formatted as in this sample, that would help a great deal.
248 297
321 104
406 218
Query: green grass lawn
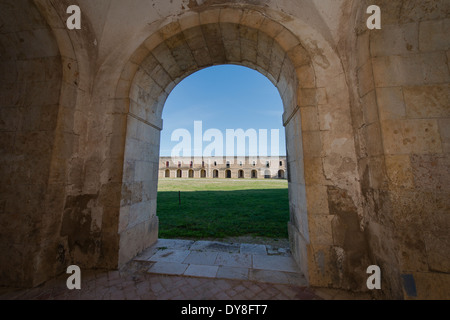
221 208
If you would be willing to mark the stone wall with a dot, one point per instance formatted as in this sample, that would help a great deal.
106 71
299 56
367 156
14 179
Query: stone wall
31 73
400 117
366 116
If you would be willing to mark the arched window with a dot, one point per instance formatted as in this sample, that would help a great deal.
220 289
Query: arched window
167 164
179 173
167 175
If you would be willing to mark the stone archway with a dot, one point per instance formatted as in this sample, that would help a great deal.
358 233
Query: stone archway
92 201
319 136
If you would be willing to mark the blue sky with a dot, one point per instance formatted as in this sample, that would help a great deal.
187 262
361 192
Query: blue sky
223 97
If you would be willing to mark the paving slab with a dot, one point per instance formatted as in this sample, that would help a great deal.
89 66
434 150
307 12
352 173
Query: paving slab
172 268
201 271
201 258
276 263
271 250
215 246
234 260
251 248
170 255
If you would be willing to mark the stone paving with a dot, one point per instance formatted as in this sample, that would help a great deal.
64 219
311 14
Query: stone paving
188 270
221 260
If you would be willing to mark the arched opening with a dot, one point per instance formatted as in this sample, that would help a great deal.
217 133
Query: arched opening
280 174
167 173
254 174
278 55
203 173
216 87
179 173
191 173
267 174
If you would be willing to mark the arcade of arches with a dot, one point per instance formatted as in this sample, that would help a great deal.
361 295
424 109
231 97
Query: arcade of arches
366 114
218 167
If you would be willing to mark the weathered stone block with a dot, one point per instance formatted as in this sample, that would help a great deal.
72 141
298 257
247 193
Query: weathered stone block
229 15
408 136
394 40
312 145
139 55
310 120
317 200
189 21
427 101
413 69
210 16
363 51
170 30
437 241
299 56
153 41
369 106
252 19
373 137
320 266
365 79
314 171
444 129
433 35
431 285
306 77
320 229
287 40
431 171
399 171
390 103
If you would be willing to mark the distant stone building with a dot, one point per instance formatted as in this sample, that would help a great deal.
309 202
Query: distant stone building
224 168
